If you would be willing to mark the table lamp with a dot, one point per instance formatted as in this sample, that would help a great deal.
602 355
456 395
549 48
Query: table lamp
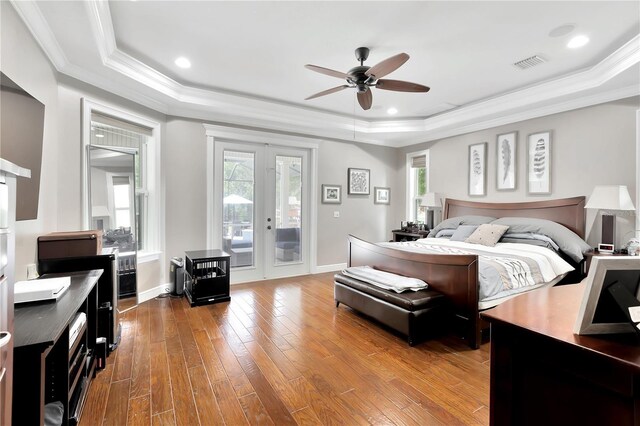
431 201
609 197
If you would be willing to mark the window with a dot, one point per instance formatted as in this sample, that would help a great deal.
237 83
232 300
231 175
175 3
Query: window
417 184
140 208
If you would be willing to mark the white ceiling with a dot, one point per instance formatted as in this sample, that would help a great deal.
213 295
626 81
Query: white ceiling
248 57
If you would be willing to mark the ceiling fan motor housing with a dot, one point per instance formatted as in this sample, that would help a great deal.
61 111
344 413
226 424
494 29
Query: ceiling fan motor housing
358 77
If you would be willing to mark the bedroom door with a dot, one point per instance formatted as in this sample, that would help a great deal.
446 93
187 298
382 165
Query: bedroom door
264 204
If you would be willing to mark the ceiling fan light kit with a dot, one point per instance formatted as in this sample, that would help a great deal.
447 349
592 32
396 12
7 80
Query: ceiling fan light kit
363 78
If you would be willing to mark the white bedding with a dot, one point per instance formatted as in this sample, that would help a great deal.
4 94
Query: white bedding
504 270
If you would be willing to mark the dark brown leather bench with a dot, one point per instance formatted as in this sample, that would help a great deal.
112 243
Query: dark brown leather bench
416 314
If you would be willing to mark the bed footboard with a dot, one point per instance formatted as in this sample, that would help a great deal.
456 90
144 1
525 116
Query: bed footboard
455 276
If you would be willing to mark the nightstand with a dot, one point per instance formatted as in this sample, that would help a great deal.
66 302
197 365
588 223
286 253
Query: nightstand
589 255
399 235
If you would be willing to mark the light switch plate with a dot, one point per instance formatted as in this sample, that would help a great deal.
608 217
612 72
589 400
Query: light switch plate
336 213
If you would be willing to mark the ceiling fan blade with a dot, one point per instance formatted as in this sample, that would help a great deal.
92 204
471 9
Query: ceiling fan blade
365 99
387 66
401 86
327 92
326 71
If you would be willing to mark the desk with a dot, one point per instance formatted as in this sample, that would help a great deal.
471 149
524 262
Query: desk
42 358
543 374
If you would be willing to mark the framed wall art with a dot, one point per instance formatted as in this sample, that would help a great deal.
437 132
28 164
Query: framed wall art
477 169
381 195
331 194
506 161
600 311
358 181
539 163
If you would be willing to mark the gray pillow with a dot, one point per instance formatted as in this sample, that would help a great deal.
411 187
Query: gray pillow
568 241
444 233
454 222
463 232
487 234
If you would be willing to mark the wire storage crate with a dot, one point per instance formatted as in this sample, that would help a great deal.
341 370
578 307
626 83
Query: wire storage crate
207 278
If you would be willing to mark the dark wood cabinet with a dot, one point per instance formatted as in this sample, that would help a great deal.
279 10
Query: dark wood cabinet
47 368
543 374
208 276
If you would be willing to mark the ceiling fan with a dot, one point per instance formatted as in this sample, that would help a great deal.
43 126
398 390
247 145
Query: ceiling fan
363 78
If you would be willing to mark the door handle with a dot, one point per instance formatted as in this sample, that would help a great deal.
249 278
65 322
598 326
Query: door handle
269 227
5 337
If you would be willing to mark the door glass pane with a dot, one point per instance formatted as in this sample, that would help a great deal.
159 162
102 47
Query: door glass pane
237 211
288 209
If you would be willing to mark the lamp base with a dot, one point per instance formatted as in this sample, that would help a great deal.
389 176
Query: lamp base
608 229
429 219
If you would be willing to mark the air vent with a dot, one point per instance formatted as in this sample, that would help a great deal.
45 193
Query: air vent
529 62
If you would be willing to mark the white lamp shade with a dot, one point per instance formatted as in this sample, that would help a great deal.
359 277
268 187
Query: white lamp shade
610 197
431 200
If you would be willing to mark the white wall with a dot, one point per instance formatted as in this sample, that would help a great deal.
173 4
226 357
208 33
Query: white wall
590 146
23 61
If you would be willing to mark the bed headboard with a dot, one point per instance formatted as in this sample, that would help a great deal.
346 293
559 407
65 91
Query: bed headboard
565 211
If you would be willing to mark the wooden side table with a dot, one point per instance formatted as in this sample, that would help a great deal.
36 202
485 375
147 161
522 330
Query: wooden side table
399 235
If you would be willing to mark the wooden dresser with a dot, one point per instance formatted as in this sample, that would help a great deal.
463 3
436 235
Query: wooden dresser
543 374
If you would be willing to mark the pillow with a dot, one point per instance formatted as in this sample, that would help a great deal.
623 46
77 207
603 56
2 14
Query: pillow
487 234
463 232
444 233
454 222
568 241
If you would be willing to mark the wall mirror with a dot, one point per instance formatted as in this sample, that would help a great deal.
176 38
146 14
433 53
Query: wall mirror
113 209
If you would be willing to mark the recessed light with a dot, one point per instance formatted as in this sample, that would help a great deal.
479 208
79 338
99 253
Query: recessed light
99 135
392 111
183 62
578 41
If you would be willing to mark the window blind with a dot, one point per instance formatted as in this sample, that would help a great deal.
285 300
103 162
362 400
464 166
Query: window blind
419 161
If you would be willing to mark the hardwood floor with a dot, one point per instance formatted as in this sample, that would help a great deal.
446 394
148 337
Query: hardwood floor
281 353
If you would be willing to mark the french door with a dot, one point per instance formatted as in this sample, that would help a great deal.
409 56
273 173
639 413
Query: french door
264 205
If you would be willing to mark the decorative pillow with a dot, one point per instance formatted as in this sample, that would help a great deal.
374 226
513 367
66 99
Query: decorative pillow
463 232
454 222
487 234
568 241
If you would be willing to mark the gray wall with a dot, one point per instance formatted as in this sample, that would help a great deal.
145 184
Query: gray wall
358 214
590 146
24 62
185 169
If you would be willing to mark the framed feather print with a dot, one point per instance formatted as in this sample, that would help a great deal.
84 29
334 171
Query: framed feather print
506 161
539 163
477 169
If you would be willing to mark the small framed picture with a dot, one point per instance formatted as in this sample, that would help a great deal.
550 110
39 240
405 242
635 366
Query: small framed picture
358 181
600 313
331 194
539 163
506 161
381 195
477 169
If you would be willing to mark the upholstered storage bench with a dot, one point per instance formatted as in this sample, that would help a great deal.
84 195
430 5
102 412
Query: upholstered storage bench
416 314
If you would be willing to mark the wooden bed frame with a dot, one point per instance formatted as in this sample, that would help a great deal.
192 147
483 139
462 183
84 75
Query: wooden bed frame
456 276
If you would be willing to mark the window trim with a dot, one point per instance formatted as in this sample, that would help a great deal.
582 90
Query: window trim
409 180
152 165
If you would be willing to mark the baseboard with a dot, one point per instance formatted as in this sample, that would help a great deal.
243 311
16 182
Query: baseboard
320 269
143 296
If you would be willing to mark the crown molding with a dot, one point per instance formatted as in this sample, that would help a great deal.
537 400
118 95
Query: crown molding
159 92
31 15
